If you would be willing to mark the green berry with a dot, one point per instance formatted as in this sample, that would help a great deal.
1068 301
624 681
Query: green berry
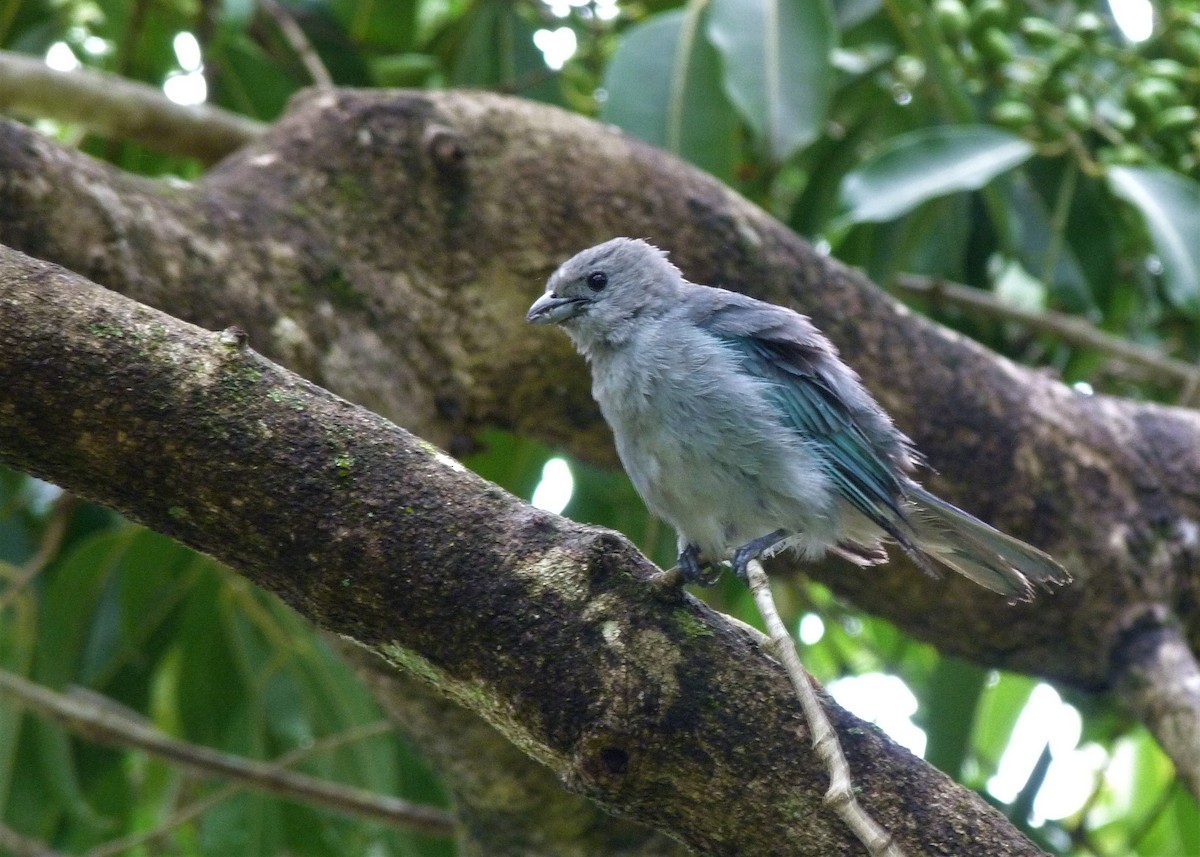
1151 95
995 45
1122 119
1176 118
989 14
1168 69
909 70
1077 111
1040 32
1014 115
1088 24
1127 153
952 17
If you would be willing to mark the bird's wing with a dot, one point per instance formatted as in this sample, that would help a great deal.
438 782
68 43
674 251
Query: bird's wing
822 400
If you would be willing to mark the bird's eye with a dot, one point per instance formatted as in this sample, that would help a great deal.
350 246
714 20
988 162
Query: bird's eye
597 280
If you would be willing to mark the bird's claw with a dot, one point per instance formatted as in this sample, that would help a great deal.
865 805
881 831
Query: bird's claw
693 569
753 550
741 562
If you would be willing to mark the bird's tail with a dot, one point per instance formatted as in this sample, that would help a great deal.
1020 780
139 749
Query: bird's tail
975 550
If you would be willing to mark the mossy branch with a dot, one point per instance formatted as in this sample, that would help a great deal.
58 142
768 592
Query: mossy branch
383 539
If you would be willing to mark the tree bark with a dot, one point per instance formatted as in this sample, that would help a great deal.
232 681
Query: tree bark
507 804
640 698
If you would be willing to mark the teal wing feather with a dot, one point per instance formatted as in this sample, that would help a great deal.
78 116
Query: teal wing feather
807 402
865 457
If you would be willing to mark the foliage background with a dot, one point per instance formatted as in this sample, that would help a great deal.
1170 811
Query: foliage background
1030 151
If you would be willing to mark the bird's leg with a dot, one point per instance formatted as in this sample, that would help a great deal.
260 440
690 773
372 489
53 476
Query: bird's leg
753 549
691 568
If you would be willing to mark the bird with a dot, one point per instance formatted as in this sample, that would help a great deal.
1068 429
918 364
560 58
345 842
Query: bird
738 423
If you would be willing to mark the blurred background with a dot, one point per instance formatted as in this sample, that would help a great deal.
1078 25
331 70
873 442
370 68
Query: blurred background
1025 172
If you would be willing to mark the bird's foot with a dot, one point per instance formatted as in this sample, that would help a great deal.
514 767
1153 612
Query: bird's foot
694 569
753 549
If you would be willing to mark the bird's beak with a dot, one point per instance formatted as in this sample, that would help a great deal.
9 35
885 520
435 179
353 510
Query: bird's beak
552 309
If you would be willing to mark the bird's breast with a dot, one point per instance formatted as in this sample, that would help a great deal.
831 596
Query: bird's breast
697 436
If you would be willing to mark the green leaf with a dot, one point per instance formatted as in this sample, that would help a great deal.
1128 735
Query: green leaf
18 633
948 711
76 589
377 24
778 70
247 79
1050 250
1170 203
664 86
494 48
923 165
404 69
997 712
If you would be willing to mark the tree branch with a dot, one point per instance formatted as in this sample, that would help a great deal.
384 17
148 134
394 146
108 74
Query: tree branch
1068 328
121 109
20 845
508 805
641 699
386 245
294 35
1159 681
99 723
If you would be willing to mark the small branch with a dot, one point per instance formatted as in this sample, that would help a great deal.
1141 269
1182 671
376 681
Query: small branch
840 795
1158 678
56 529
209 801
295 37
105 724
120 109
1068 328
197 808
20 845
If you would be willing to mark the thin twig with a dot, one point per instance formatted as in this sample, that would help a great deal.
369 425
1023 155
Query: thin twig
20 845
840 795
198 807
295 37
56 529
1066 327
107 725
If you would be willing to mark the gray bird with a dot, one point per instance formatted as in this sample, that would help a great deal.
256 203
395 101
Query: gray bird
740 426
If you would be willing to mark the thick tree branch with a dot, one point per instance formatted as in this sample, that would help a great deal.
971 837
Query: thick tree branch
640 698
387 244
508 805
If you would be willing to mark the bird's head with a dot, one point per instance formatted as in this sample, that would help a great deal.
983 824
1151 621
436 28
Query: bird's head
601 293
